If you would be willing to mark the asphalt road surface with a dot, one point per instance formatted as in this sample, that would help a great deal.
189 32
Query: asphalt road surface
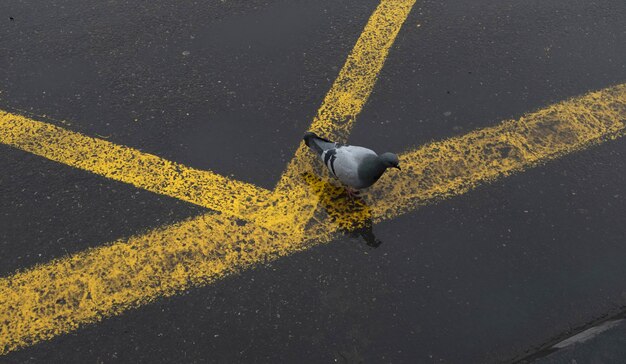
514 259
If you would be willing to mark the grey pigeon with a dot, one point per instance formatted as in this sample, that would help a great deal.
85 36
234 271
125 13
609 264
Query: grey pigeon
356 167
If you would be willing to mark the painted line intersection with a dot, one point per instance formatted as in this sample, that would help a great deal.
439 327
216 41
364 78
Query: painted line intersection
55 298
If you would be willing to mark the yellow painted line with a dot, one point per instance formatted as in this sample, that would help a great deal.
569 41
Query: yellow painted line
111 279
337 114
55 298
356 79
454 166
335 117
129 165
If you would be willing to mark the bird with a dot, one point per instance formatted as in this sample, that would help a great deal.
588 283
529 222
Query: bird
355 167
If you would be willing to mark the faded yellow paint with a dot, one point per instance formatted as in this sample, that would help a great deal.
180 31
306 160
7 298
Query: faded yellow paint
454 166
58 297
132 166
336 115
83 288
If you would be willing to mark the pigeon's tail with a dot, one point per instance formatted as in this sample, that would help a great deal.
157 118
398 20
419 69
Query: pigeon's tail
316 143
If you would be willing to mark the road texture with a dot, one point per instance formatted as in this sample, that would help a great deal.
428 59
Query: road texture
157 205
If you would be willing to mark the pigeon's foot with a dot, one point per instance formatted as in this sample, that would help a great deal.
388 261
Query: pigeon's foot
352 194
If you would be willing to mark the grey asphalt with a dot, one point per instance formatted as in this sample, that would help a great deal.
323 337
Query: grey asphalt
603 343
495 275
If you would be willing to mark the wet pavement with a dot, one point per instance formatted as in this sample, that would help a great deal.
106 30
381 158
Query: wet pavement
494 275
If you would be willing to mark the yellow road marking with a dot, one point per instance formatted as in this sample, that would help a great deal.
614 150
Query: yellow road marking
452 167
131 166
58 297
335 117
86 290
337 114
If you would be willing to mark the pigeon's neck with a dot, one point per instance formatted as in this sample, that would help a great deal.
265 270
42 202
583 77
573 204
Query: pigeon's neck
370 170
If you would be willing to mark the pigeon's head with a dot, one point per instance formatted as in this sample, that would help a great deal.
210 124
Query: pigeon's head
390 160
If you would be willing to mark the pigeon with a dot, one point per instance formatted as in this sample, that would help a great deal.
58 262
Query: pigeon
355 167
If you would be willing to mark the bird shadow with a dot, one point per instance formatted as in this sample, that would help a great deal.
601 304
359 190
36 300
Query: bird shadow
352 216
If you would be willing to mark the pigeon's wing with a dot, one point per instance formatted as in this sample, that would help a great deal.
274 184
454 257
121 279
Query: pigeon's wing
318 144
344 163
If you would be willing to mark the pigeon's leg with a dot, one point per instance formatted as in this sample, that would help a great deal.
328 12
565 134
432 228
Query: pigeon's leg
352 193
